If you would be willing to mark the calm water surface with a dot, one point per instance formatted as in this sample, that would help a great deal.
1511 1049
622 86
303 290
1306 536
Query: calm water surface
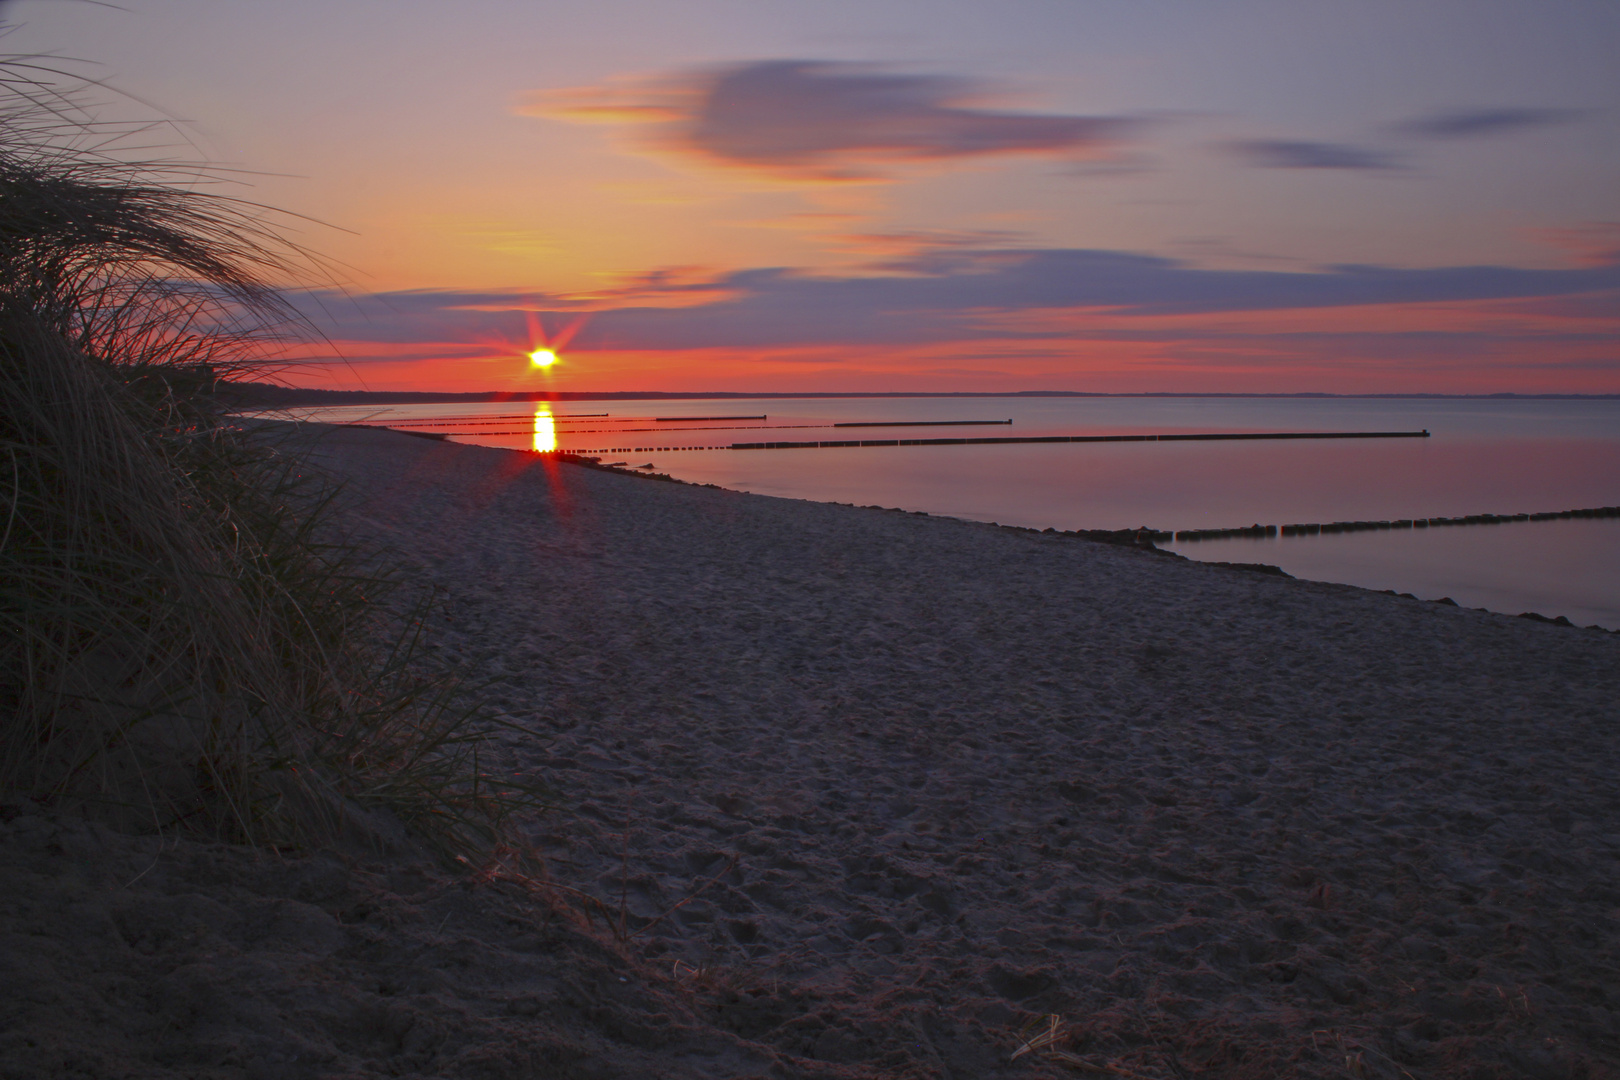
1483 456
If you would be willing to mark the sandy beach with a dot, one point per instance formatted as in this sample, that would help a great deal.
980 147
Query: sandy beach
936 781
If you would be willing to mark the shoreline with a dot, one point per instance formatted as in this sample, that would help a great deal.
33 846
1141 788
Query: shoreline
938 780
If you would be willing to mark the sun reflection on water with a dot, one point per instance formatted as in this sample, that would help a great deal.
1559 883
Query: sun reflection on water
545 429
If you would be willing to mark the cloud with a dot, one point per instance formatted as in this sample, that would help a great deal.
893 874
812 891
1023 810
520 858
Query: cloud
1300 154
1446 126
920 251
1483 123
964 293
1592 243
624 101
811 120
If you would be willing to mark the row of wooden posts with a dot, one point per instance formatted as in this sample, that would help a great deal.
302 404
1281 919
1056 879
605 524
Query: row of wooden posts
1262 531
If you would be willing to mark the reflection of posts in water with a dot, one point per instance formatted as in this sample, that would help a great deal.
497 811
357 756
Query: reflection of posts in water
545 429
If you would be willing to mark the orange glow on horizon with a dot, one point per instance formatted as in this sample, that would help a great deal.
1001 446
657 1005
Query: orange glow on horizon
1523 346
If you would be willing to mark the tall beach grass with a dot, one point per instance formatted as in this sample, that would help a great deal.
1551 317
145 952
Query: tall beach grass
186 638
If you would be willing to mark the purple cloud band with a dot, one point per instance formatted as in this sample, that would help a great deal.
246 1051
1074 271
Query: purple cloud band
969 297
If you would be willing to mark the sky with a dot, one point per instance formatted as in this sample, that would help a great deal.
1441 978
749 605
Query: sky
906 195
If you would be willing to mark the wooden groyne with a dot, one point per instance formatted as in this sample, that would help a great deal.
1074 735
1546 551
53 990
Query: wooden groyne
924 423
1255 532
1317 529
1016 439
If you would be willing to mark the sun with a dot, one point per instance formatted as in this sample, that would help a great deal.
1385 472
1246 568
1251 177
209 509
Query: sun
542 358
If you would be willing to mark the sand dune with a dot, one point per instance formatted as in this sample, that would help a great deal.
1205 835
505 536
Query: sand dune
948 779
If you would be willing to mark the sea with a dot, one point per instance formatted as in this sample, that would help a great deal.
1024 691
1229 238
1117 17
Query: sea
1498 456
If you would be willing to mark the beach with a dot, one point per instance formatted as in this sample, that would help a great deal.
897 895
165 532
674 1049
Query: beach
931 782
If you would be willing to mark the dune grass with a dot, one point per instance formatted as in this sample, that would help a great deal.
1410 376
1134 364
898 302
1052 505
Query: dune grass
186 639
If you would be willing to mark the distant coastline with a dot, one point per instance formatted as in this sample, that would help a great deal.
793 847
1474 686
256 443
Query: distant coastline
266 396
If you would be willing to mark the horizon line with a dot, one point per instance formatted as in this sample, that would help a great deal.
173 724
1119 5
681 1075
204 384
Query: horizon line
273 391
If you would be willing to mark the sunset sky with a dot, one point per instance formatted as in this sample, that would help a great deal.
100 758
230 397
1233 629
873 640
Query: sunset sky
911 195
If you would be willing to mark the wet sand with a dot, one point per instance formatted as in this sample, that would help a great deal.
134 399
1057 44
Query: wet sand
938 780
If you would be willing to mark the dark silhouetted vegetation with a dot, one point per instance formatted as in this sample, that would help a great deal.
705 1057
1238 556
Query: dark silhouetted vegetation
188 640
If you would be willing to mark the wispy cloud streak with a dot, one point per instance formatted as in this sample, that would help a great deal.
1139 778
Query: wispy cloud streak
1303 154
1483 123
